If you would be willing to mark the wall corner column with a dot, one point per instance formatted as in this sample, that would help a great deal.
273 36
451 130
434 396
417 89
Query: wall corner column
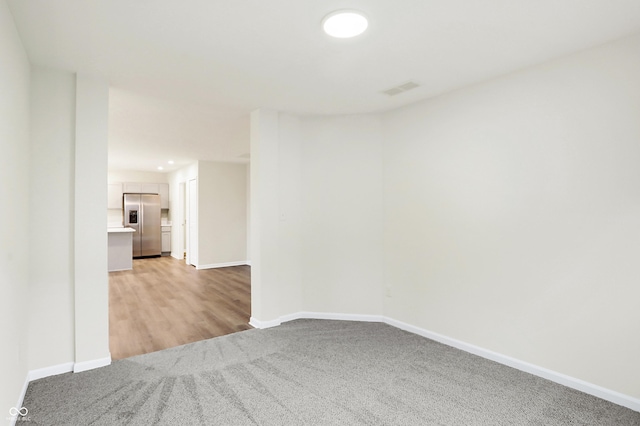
264 213
91 279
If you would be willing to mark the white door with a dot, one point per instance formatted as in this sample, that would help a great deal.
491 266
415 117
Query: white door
192 223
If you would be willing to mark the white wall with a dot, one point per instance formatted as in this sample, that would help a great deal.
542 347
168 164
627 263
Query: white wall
342 212
317 210
90 236
512 215
269 296
51 218
275 209
222 213
289 219
14 211
249 213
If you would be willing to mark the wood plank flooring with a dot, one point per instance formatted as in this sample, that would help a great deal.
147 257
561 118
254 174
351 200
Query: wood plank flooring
164 303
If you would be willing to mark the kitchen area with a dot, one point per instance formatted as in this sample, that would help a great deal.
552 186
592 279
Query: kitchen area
138 223
157 298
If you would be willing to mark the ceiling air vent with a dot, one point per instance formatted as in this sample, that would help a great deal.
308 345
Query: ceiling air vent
401 88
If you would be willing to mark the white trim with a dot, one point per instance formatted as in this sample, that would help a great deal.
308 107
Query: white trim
256 323
223 265
292 317
79 367
332 316
118 270
54 370
568 381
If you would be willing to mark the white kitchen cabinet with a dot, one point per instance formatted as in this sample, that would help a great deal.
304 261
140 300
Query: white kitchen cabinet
163 190
166 239
120 249
150 188
114 196
132 188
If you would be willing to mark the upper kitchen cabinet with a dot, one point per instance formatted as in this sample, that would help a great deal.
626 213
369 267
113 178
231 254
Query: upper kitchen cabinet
150 188
163 190
114 197
132 188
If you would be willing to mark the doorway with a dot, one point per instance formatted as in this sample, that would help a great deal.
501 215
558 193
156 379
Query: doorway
164 302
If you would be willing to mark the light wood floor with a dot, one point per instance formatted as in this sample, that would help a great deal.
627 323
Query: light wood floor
164 303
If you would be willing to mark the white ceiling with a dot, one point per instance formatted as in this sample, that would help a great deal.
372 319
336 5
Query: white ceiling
186 74
146 132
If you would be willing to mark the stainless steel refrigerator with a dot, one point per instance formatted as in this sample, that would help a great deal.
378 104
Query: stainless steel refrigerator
142 213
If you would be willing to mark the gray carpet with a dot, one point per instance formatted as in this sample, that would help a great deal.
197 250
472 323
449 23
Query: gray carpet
313 372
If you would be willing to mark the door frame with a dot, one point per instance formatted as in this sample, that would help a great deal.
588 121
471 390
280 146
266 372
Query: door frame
191 222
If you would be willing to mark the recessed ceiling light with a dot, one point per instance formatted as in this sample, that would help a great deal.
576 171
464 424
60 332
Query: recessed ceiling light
170 162
345 23
160 167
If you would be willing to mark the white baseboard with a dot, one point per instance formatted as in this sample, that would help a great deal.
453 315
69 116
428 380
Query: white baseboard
332 316
255 323
79 367
222 265
568 381
54 370
118 270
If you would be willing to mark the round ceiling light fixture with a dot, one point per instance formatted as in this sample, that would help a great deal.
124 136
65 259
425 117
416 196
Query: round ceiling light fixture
345 23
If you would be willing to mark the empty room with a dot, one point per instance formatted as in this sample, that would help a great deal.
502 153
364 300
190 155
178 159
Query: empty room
440 208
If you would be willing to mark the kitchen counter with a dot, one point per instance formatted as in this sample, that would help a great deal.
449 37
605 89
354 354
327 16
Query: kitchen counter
120 249
120 230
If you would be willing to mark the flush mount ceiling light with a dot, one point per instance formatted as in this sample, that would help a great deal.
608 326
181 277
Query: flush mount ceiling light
345 23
